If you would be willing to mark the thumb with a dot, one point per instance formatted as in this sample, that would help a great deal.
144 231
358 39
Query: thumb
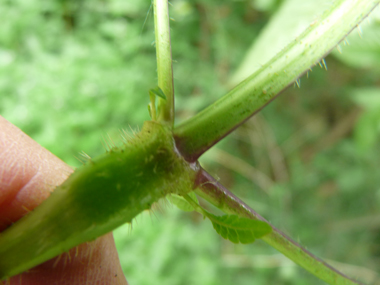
28 173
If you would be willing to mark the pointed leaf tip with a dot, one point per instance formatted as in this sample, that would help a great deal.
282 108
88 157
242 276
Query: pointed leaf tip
158 92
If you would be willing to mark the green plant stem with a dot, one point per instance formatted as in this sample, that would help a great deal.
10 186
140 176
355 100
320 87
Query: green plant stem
164 61
219 196
104 193
202 131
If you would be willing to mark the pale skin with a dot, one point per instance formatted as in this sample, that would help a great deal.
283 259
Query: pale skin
28 174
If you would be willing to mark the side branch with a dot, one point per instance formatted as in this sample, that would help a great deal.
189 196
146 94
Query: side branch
219 196
199 133
164 61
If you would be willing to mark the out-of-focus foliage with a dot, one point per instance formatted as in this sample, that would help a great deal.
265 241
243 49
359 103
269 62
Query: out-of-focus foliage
73 71
294 16
362 47
362 51
169 248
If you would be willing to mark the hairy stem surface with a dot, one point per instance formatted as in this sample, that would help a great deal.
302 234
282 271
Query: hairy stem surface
104 193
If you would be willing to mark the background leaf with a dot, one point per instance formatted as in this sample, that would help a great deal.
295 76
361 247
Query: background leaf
367 127
290 20
361 49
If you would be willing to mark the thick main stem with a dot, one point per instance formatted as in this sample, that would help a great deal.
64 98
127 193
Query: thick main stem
98 197
202 131
219 196
164 61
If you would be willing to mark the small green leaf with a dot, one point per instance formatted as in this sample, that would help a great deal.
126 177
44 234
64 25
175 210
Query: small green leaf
150 111
238 229
181 203
158 92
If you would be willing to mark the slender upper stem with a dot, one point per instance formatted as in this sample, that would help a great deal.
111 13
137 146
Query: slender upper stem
164 61
219 196
202 131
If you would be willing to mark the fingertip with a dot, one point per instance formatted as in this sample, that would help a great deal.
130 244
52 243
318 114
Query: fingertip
28 173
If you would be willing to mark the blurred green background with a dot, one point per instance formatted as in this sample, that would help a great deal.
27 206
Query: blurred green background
72 72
